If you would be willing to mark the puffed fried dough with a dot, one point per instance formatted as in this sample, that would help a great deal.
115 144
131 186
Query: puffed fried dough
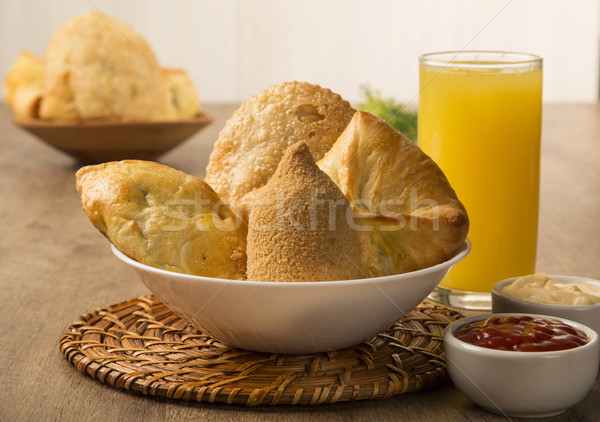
255 138
164 218
407 214
98 67
23 84
298 228
183 99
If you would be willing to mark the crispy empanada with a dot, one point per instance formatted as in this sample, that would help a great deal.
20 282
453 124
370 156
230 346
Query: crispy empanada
23 85
98 67
407 214
164 218
255 138
183 99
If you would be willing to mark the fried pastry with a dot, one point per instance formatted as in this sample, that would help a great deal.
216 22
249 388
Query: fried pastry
407 215
255 138
183 99
298 226
23 85
98 67
164 218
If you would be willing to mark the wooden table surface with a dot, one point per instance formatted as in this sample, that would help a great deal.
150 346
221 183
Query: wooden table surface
54 267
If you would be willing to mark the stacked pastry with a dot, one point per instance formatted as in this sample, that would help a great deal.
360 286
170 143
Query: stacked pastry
305 189
98 67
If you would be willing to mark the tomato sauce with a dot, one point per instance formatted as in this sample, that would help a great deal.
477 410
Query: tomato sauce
522 333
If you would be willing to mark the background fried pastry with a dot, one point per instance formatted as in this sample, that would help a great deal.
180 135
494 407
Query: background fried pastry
255 138
98 67
164 218
407 214
183 101
23 84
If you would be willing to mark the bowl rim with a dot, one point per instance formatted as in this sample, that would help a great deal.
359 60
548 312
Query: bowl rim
496 291
462 253
34 122
451 340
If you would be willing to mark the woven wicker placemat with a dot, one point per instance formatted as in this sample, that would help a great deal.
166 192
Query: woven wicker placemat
140 345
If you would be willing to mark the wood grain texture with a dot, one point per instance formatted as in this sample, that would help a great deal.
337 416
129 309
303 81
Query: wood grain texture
55 267
106 140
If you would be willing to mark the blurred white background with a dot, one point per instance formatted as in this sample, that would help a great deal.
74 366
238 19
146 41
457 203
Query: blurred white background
235 48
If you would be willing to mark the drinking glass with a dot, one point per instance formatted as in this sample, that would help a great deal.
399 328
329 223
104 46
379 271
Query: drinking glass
480 120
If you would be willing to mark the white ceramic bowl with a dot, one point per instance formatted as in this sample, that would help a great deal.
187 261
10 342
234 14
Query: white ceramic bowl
522 384
585 314
299 317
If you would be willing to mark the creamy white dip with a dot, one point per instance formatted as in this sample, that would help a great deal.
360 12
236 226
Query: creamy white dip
539 288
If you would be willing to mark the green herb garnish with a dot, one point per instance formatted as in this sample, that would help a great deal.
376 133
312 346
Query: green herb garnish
388 109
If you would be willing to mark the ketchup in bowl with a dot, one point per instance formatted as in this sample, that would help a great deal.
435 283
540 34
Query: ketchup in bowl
522 333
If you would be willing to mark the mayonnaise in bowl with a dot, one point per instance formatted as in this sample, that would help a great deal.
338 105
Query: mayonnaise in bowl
539 288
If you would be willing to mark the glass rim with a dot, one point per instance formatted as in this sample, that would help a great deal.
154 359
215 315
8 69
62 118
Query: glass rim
490 59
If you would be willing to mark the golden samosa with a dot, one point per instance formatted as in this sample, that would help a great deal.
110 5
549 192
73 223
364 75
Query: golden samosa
407 215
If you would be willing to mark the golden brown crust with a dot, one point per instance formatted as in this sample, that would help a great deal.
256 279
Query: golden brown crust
98 67
255 138
183 101
407 214
23 84
163 218
298 228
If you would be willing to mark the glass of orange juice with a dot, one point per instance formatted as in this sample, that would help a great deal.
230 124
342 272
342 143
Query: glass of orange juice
480 120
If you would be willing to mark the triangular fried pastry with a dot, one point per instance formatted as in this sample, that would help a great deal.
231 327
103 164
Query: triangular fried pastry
298 226
406 212
164 218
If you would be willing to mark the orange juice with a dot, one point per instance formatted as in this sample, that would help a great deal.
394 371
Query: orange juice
481 122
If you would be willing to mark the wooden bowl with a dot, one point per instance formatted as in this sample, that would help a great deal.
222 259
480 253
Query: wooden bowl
108 140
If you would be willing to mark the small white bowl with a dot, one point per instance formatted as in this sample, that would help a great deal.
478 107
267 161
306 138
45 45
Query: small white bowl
522 384
299 317
585 314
